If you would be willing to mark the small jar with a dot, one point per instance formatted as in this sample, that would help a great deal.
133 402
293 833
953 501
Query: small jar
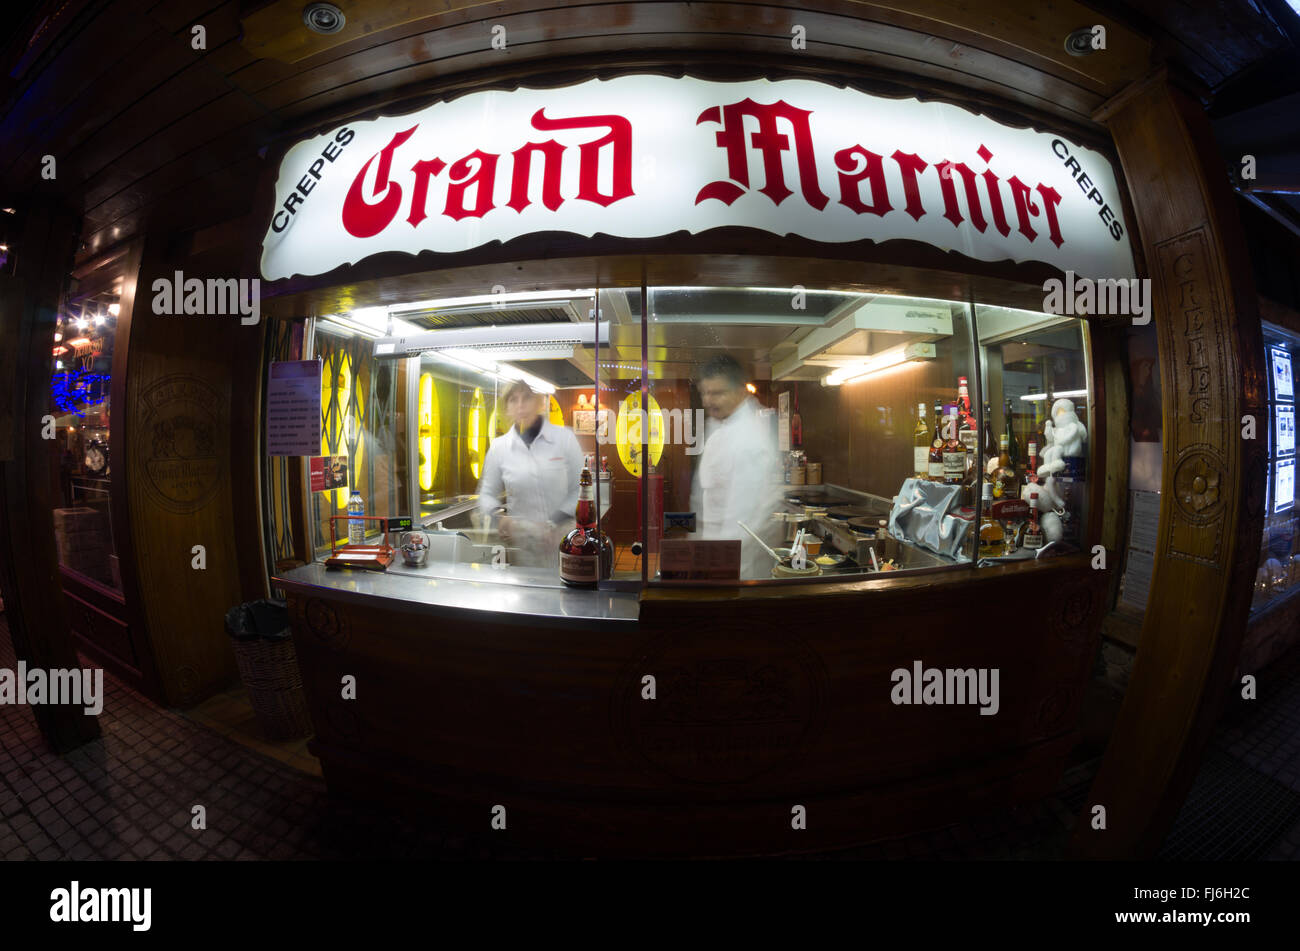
798 475
814 473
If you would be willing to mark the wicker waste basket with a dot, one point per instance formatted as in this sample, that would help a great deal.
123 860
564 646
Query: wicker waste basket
268 666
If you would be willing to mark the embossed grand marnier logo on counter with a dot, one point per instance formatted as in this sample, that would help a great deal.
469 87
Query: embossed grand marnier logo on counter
646 156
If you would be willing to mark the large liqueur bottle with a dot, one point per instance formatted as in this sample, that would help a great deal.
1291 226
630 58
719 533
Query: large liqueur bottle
921 445
586 557
954 452
1006 481
936 446
992 535
967 431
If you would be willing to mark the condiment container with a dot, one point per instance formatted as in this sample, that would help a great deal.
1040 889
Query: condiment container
813 474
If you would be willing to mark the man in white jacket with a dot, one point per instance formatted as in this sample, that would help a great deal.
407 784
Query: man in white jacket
536 465
738 478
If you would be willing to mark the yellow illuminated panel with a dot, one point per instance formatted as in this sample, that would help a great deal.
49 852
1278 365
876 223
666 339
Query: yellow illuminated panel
627 433
477 443
428 432
557 414
336 396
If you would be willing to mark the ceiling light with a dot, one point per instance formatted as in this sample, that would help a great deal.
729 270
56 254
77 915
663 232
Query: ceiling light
1059 394
881 361
518 337
448 302
82 323
99 319
323 18
115 309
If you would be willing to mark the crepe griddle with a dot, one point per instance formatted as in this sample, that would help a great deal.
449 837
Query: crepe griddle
865 523
810 498
844 513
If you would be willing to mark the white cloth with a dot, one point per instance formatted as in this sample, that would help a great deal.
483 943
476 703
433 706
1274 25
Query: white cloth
738 479
540 482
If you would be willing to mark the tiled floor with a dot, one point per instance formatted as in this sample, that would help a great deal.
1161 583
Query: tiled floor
131 795
231 714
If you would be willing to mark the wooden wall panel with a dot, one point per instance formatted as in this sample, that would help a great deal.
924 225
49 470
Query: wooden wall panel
1212 373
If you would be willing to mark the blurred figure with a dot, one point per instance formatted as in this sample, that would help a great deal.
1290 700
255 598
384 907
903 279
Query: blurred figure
738 478
536 465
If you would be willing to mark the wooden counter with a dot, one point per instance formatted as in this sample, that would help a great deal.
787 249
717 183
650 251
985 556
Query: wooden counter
765 698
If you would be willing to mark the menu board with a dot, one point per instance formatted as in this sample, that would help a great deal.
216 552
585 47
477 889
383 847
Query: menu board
1283 380
1283 484
293 408
1283 429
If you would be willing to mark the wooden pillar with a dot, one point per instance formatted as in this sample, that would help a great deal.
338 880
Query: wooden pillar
29 303
1211 514
176 458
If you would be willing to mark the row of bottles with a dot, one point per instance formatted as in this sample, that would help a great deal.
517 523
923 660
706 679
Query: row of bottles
998 537
947 453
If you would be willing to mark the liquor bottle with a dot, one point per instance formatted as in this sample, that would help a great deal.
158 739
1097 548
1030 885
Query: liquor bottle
796 423
1013 444
1005 480
935 471
992 537
967 430
990 444
954 452
356 526
1033 531
586 556
1031 467
921 445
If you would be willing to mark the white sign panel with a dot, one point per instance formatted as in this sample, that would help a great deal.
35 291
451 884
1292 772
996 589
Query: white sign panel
645 156
293 408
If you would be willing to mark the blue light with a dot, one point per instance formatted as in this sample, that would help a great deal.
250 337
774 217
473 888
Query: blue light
78 390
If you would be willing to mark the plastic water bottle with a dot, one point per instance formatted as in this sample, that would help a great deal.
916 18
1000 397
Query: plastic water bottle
356 527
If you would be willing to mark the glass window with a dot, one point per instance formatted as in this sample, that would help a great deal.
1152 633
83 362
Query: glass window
471 416
1278 574
80 404
729 433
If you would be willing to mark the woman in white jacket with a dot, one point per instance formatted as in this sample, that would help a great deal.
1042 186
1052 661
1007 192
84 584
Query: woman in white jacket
536 465
738 477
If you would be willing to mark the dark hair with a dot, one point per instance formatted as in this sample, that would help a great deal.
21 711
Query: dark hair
724 365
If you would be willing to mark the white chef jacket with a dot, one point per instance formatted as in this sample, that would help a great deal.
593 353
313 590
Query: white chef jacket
540 481
738 479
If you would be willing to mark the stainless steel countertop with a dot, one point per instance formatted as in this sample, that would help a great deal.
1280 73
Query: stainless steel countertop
472 592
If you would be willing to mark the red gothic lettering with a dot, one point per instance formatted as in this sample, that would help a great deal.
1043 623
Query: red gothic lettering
364 219
424 170
770 143
484 176
1024 206
951 210
911 165
994 191
619 136
1051 198
873 171
552 153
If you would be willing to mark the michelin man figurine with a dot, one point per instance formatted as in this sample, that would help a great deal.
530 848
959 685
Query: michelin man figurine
1064 435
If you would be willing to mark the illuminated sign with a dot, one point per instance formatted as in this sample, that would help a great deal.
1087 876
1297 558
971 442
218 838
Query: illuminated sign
645 156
